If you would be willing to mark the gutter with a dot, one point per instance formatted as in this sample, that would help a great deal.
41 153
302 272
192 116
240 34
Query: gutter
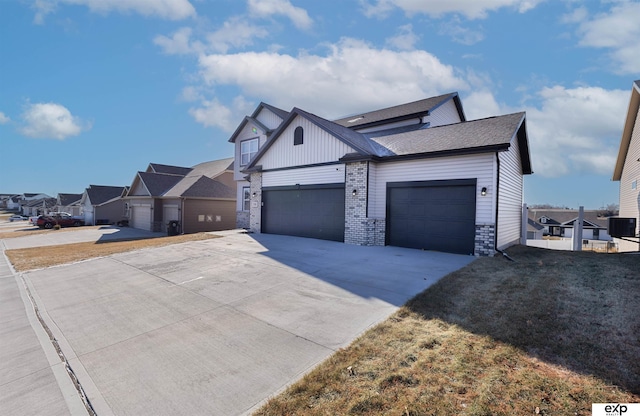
495 235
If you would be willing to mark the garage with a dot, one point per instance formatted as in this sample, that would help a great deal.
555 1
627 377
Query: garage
141 217
314 211
432 215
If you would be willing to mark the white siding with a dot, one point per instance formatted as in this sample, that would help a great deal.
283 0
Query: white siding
239 196
629 197
269 118
304 176
481 167
318 147
138 188
445 114
510 196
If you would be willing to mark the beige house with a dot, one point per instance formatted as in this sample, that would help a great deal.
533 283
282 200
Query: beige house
627 168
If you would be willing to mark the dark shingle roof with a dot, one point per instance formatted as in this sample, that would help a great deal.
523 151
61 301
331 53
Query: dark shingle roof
168 169
201 187
68 199
212 168
158 183
99 194
566 216
484 133
409 110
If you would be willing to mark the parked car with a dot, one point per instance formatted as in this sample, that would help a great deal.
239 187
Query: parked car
62 219
34 220
17 217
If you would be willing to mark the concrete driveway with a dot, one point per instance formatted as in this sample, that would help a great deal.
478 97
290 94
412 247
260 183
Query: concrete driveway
215 326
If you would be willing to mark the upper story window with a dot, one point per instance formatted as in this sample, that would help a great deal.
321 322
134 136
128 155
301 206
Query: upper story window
298 136
248 150
634 184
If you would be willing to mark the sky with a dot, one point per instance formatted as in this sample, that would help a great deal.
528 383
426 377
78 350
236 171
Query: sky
92 91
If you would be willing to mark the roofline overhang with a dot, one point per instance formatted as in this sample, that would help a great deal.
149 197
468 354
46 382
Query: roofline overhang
625 140
354 157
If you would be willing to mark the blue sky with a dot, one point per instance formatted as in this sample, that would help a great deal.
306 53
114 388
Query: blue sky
91 91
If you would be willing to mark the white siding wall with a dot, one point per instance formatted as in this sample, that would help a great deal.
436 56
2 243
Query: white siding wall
269 118
445 114
138 188
510 196
481 167
304 176
319 147
630 198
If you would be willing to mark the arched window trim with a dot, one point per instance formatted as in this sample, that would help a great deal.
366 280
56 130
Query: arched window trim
298 136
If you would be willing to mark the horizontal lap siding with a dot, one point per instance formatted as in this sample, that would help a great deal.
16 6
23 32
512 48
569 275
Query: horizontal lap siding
318 147
480 167
630 198
304 176
443 115
510 196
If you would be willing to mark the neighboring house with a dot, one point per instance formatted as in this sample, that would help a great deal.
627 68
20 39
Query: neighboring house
627 167
417 175
103 204
200 198
535 231
560 223
13 203
69 203
38 206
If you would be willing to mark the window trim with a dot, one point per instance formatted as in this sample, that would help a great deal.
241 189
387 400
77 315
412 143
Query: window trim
250 154
298 136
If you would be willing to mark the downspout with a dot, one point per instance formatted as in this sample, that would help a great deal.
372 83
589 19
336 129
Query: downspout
495 234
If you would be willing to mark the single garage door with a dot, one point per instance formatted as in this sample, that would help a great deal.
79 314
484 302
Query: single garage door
141 217
432 215
169 213
307 211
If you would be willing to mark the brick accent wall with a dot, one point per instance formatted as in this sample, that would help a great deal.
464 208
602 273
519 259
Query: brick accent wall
255 211
359 229
242 219
485 238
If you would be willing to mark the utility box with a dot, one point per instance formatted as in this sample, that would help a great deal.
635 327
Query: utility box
622 227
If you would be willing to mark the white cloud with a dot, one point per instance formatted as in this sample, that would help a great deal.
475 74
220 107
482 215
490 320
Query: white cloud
576 130
179 43
266 8
475 9
164 9
212 113
4 119
234 33
353 76
405 40
618 31
459 33
51 121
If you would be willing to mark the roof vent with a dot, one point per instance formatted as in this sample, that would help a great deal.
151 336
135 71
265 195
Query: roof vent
355 119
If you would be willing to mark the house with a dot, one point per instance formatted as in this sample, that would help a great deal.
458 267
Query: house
416 175
39 206
200 198
69 203
535 231
103 204
561 222
627 167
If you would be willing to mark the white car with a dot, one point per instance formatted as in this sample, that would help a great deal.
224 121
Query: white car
17 218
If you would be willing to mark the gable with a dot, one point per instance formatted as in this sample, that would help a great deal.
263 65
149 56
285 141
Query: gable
268 118
319 146
629 130
138 188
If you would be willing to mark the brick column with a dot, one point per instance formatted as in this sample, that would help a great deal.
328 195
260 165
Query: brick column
485 239
356 230
255 210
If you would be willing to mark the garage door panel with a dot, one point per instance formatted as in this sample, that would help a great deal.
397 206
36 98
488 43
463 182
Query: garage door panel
432 216
307 212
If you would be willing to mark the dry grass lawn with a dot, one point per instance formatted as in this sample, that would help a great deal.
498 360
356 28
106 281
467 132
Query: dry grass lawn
549 334
40 257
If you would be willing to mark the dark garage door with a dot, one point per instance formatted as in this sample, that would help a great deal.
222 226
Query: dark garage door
305 211
432 215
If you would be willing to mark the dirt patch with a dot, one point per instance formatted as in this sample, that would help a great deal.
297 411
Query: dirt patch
41 257
551 333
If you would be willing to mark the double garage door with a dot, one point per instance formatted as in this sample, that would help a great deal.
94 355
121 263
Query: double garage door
315 211
432 215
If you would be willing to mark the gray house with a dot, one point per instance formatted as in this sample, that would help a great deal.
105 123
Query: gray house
103 204
416 175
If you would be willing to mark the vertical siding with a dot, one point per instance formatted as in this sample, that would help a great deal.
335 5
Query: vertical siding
630 198
269 118
510 196
480 167
304 176
445 114
319 147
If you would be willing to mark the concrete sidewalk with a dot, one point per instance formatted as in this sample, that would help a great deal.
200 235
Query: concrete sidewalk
218 326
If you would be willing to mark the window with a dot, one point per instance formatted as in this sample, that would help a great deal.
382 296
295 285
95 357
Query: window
246 198
248 150
634 185
298 134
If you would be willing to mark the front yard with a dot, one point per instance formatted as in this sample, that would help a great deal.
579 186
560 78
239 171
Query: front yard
550 333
